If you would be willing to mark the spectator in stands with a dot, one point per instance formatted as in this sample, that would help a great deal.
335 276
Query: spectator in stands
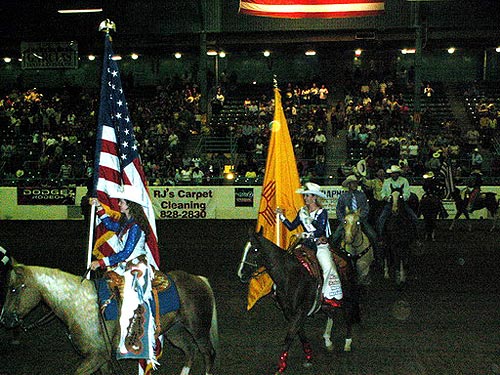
197 175
434 163
428 91
218 101
323 95
476 159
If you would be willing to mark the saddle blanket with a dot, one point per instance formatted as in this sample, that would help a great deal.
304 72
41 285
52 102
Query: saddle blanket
168 298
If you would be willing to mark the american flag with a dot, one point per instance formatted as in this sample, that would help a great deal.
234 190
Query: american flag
117 163
312 8
449 184
117 160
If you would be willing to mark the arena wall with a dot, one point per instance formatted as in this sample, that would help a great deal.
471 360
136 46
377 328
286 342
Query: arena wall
178 202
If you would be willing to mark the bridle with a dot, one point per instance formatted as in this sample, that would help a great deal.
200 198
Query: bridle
357 233
253 264
44 320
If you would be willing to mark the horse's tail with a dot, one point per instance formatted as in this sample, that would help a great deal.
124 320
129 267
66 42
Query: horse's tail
214 326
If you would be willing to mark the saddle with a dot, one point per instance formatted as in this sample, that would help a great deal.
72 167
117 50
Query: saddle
160 281
307 258
111 288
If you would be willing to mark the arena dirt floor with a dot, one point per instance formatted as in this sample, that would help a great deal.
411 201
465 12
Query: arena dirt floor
445 321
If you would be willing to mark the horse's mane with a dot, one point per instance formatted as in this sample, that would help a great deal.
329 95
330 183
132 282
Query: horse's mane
48 278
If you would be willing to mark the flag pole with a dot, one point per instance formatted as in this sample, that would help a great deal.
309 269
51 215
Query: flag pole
105 26
91 238
278 226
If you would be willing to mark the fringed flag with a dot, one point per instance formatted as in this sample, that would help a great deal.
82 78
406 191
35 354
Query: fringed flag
281 182
312 8
117 163
449 184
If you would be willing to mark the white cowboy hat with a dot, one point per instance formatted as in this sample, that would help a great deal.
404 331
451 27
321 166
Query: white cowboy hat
311 188
394 169
349 179
429 174
130 193
361 167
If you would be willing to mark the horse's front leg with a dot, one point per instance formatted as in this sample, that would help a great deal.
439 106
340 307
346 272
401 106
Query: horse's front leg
457 216
306 347
295 323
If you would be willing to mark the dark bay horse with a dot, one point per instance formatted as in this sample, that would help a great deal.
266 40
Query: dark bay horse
429 208
398 237
486 200
74 301
296 291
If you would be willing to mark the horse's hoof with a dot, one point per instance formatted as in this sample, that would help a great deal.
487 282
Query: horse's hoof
307 364
329 348
347 346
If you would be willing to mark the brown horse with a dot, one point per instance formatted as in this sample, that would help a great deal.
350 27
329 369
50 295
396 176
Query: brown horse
397 238
429 208
297 293
486 200
74 301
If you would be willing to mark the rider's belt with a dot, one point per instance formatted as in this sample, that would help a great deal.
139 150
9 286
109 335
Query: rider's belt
321 240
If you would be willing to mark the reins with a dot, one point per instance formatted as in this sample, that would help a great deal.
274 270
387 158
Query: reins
43 321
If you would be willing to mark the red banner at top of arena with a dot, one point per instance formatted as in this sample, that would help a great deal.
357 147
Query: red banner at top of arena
312 8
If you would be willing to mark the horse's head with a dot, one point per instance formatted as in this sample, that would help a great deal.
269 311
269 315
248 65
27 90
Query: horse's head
21 296
251 259
396 199
352 226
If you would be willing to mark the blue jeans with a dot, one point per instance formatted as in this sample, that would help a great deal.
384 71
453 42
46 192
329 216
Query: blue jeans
386 211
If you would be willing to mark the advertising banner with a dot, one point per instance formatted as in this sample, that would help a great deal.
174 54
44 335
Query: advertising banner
46 196
184 202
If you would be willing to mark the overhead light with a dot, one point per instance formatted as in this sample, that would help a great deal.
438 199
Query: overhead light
116 58
405 51
310 52
91 57
177 55
451 50
222 54
134 56
358 52
497 49
7 59
212 52
73 11
267 53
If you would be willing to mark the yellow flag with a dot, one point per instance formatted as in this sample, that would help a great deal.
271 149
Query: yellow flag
281 181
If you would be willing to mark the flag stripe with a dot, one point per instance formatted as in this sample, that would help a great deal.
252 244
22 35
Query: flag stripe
313 9
449 184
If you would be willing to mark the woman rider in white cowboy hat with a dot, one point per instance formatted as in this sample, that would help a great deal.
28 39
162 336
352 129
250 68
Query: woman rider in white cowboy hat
314 219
